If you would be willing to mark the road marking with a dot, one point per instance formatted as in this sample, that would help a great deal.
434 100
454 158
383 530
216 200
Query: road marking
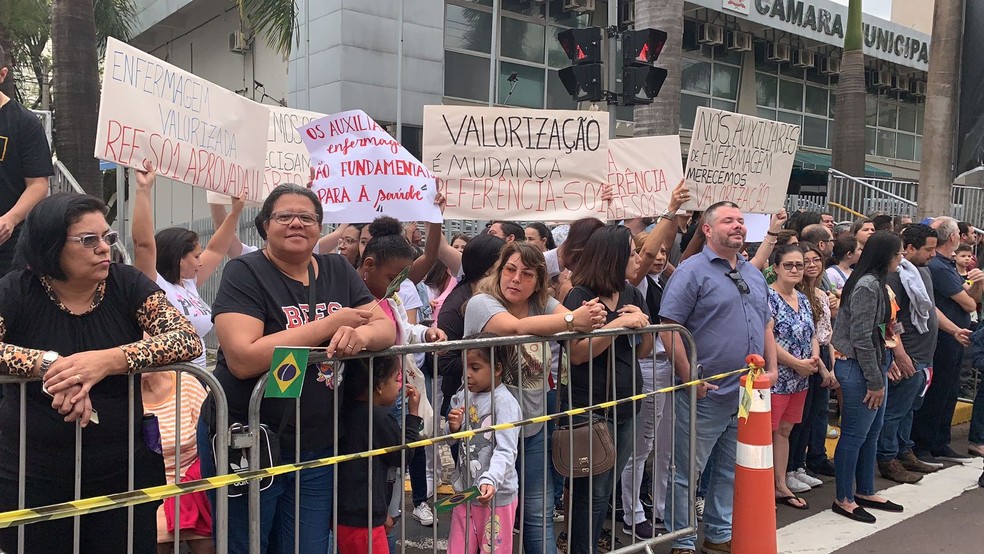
826 532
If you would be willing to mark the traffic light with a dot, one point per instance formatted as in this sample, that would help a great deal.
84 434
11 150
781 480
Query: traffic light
583 79
641 80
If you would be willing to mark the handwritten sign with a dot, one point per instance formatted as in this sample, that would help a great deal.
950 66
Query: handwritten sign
739 158
191 130
503 163
286 156
643 172
361 172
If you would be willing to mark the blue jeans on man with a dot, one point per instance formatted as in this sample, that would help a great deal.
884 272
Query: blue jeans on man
854 459
903 398
717 432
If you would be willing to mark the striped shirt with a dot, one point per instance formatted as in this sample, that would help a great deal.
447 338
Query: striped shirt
192 396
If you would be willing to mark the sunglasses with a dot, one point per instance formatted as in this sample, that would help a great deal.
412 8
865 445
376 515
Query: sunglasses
92 241
736 278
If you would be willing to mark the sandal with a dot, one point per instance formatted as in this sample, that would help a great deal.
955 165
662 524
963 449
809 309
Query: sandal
788 500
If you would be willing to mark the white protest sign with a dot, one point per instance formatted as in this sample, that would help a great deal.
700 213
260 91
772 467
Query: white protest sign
739 158
286 156
642 172
505 163
361 172
191 130
756 225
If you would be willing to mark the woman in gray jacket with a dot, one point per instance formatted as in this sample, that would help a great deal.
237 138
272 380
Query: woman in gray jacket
861 331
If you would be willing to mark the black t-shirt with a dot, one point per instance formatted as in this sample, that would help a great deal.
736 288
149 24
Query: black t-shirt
24 154
253 286
627 369
34 320
452 321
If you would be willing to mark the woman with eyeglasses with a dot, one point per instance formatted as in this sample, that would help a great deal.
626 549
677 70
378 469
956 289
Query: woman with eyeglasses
264 301
515 300
348 243
861 332
78 321
799 358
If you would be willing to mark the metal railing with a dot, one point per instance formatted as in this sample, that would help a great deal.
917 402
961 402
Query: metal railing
80 476
864 197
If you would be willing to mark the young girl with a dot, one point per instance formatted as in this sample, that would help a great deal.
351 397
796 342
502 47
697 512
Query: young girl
964 258
374 391
845 255
488 460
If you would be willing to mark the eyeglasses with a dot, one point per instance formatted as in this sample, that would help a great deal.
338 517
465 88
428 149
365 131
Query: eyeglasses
789 266
286 218
735 277
349 240
813 261
92 241
510 271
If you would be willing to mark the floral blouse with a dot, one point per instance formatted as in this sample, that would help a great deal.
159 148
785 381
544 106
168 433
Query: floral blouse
794 331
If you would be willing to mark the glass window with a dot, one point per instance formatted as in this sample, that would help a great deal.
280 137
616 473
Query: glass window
787 70
521 40
524 7
766 87
696 75
571 18
725 83
920 114
466 76
814 132
528 90
688 109
906 147
816 100
766 114
918 156
886 144
888 113
480 2
790 95
833 102
467 29
793 118
557 96
722 54
870 110
725 105
814 76
869 140
556 57
907 118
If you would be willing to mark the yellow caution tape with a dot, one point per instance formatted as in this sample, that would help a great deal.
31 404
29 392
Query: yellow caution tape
131 498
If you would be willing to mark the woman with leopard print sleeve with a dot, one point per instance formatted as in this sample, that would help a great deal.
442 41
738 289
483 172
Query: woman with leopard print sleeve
79 321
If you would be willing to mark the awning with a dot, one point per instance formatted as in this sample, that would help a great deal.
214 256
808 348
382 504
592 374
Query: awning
821 162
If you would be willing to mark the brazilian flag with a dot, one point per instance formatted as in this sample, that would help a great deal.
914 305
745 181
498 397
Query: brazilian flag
286 373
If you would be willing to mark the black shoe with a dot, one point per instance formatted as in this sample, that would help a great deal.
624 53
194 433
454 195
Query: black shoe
886 506
859 514
950 455
823 468
927 458
980 480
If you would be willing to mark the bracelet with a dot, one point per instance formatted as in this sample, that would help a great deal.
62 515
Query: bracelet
667 215
771 234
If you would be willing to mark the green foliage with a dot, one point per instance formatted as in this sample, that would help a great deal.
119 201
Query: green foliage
276 20
854 35
114 18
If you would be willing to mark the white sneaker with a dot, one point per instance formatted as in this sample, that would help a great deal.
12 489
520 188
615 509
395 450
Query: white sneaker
422 513
795 485
805 477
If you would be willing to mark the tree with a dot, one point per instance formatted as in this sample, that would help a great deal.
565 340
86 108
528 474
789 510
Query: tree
662 117
939 123
274 19
848 147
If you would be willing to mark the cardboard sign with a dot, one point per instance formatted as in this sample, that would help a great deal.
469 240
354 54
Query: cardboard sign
286 156
191 130
361 172
643 172
504 163
739 158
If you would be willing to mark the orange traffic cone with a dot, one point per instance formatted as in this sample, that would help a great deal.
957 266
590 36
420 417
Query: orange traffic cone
754 521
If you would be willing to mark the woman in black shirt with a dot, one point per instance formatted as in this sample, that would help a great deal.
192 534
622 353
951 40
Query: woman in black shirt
78 322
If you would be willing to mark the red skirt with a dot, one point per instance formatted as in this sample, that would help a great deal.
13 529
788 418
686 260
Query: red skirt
196 513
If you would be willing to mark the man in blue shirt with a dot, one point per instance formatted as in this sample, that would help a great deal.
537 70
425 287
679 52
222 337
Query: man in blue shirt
722 299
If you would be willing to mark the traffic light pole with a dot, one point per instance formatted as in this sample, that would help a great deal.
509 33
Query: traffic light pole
612 69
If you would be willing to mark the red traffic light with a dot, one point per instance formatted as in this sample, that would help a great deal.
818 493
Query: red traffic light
642 46
582 45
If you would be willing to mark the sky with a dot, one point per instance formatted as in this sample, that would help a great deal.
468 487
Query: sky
880 8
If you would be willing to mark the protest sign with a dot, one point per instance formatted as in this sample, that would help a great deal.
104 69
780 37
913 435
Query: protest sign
642 172
191 130
361 172
505 163
741 159
286 156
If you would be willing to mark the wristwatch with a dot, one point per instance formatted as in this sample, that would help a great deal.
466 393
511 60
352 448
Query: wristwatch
569 319
47 359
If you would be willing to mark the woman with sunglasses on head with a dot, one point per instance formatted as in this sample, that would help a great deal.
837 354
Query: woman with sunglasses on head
515 300
861 332
799 358
78 321
264 301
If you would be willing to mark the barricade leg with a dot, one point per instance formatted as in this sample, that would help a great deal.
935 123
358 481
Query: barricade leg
754 519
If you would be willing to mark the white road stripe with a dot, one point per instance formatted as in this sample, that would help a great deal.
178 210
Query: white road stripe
826 532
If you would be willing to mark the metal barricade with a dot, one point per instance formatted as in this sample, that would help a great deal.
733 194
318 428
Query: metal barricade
182 371
532 454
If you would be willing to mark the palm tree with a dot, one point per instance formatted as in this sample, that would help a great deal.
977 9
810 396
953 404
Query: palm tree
276 20
662 117
939 123
848 147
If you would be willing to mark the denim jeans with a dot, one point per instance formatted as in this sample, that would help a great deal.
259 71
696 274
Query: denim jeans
558 479
903 399
931 425
277 504
590 495
976 435
537 498
803 446
717 432
854 459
